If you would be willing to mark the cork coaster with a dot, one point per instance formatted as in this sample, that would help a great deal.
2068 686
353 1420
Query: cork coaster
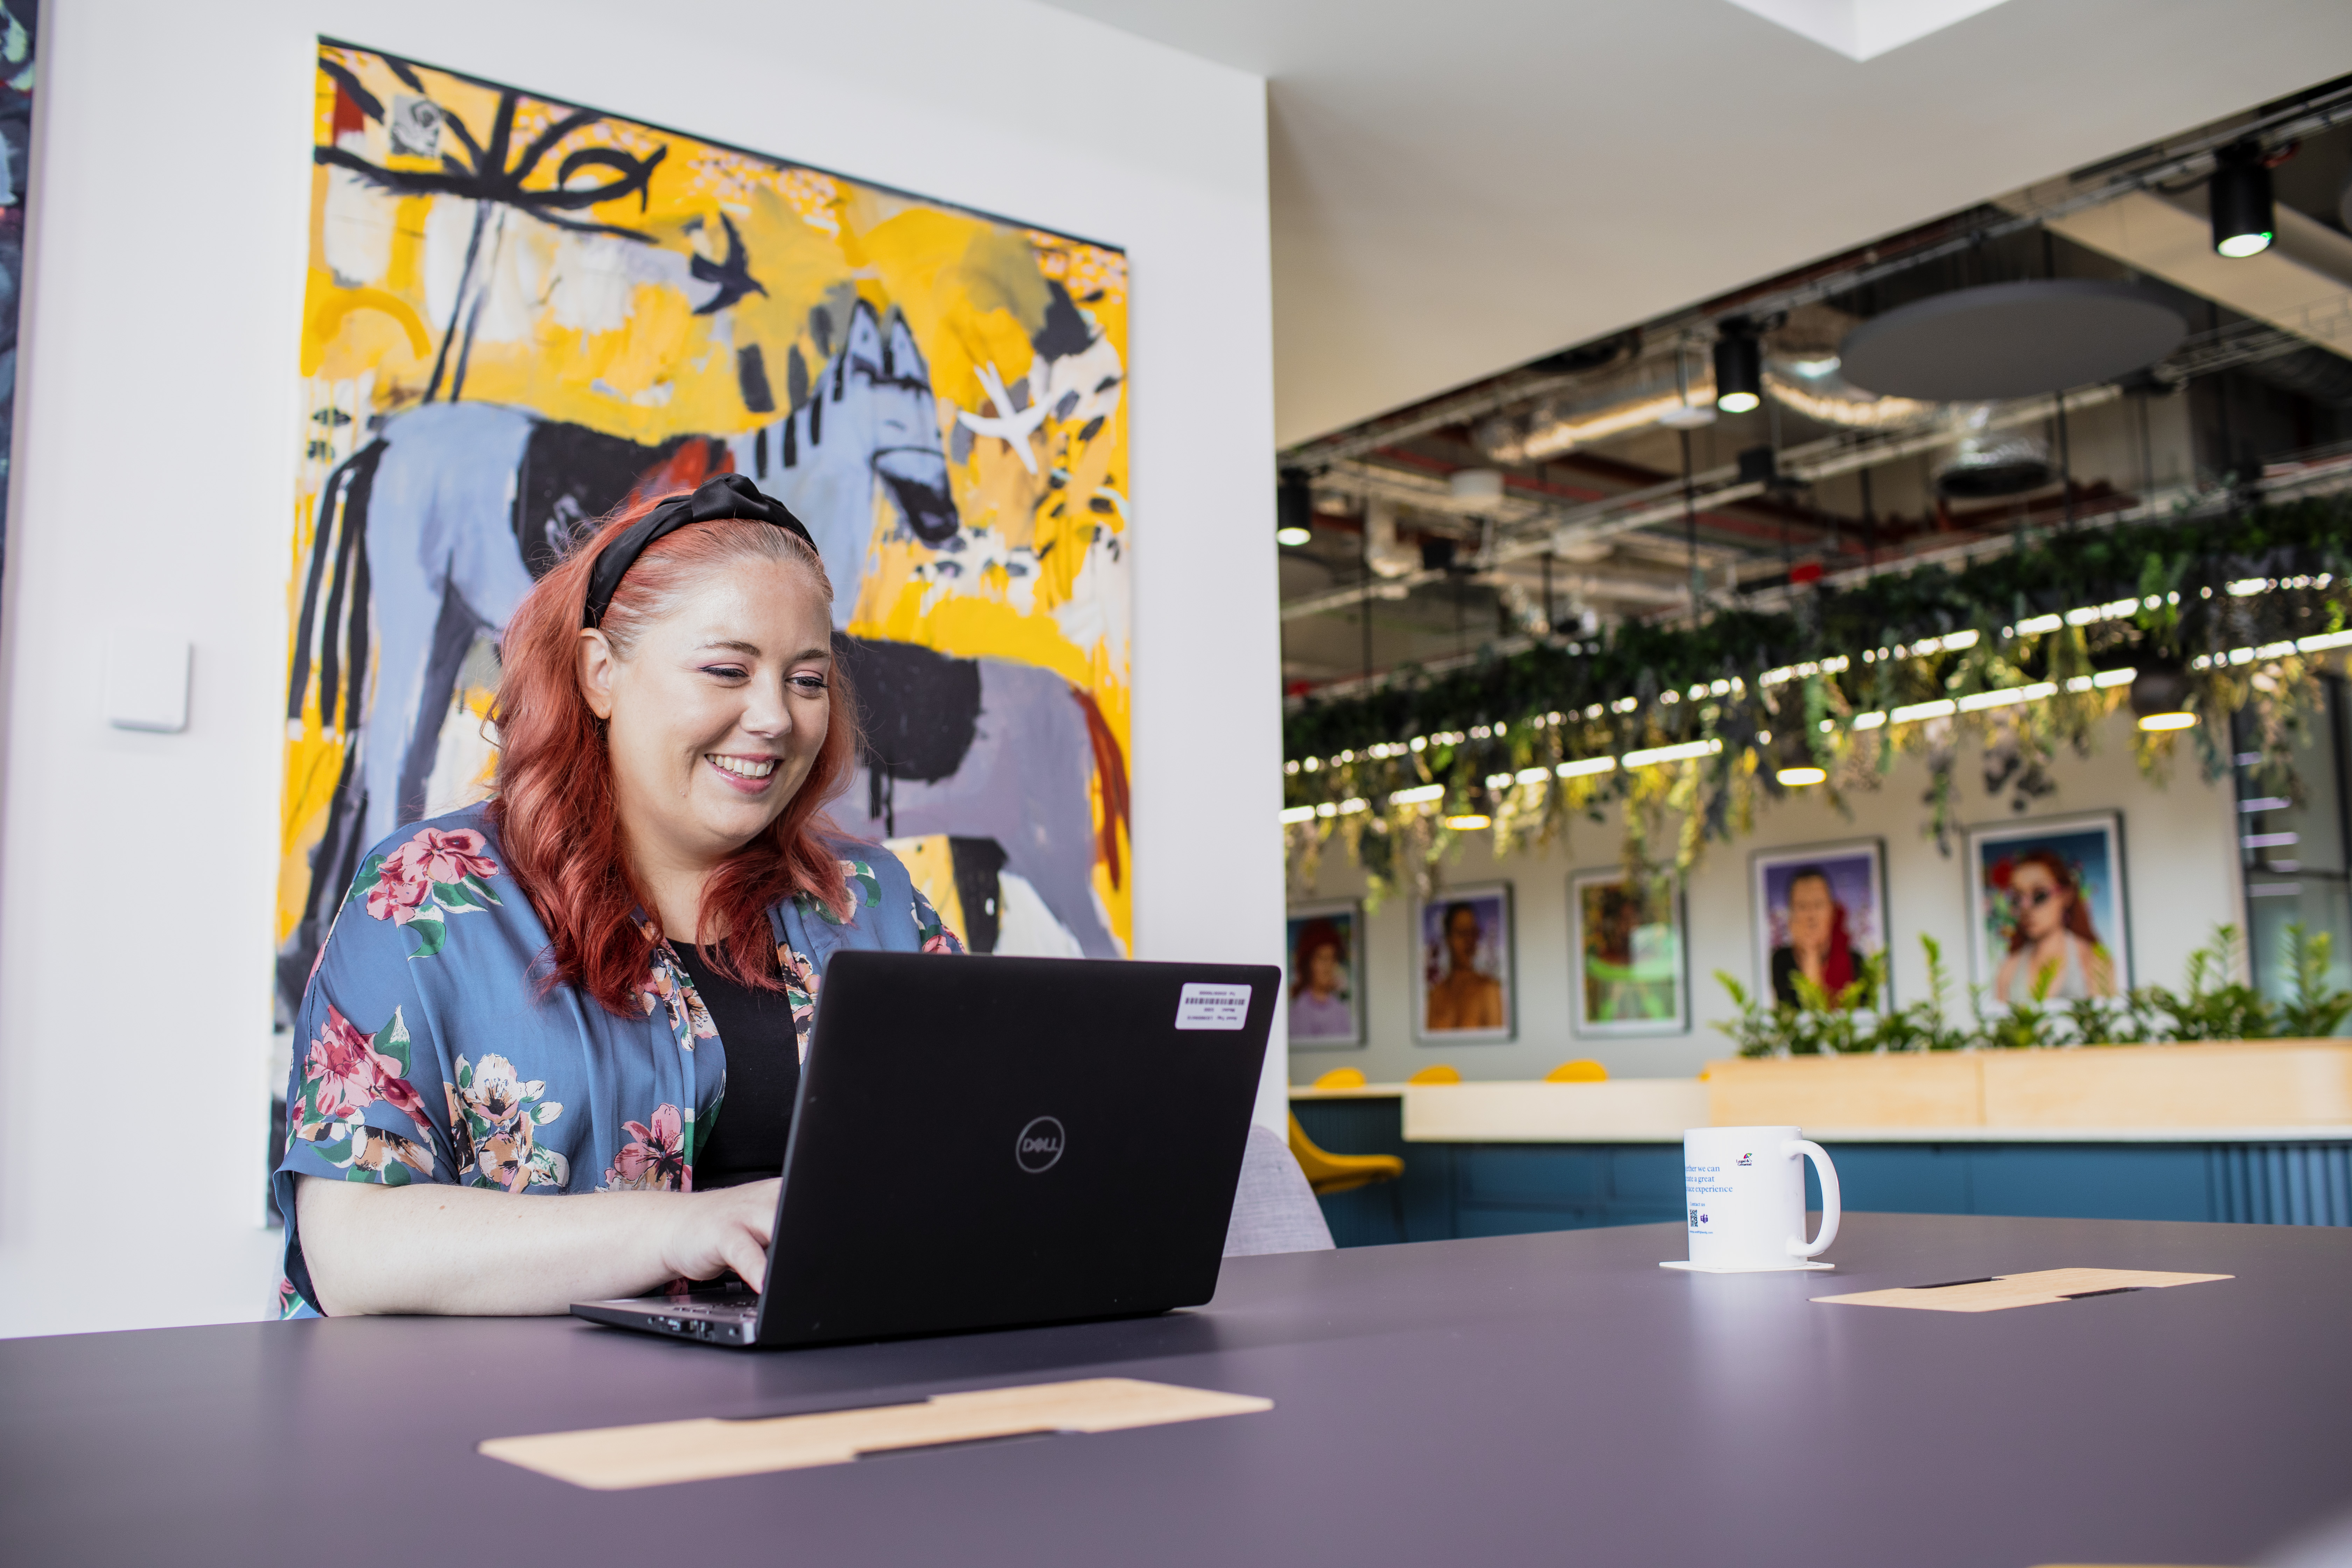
2035 1290
662 1453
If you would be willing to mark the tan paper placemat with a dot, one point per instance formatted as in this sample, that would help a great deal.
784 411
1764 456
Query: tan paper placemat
2035 1290
615 1458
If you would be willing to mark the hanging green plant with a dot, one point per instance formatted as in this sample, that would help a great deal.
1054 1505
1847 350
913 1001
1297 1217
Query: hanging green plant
1684 727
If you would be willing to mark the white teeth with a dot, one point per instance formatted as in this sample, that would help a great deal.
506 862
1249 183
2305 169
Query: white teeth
744 767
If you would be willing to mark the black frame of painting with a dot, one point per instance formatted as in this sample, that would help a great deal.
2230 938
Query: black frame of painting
1585 1027
1761 860
1358 971
1422 1035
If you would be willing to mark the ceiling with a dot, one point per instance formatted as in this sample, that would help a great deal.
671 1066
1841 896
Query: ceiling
1459 189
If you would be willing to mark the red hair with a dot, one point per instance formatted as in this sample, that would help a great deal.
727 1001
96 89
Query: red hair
554 807
2078 914
1837 964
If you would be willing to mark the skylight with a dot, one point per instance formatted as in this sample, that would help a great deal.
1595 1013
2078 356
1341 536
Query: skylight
1859 29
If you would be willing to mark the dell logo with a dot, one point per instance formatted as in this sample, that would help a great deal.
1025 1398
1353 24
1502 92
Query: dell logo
1039 1145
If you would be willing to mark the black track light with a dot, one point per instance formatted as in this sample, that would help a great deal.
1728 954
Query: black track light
2239 192
1294 508
1738 368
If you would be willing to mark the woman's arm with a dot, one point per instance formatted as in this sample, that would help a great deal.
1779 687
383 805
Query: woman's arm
472 1251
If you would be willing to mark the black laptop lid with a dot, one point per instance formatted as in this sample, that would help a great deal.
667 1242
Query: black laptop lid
996 1141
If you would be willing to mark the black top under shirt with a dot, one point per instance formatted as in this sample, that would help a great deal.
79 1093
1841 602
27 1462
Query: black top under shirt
763 1076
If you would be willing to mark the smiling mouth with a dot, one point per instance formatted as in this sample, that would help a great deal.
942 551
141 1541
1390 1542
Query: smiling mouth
749 768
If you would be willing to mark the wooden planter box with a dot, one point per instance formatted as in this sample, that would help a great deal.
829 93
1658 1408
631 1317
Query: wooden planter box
2239 1083
1940 1089
2233 1083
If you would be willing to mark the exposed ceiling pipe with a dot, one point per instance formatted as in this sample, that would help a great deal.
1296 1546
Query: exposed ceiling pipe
1678 388
1612 404
1813 388
1801 372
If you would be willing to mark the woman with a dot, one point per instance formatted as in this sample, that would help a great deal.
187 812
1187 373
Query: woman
1319 1012
1819 947
1465 999
524 1003
2050 933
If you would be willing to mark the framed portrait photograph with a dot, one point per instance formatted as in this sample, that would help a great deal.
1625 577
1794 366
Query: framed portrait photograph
2046 907
1462 977
1326 986
1631 961
1820 912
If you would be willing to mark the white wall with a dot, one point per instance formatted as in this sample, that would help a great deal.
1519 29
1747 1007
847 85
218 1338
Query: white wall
2180 878
155 478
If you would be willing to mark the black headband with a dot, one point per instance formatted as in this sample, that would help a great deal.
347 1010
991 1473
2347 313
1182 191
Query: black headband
725 496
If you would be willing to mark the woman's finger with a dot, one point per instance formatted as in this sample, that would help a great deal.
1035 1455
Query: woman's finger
748 1258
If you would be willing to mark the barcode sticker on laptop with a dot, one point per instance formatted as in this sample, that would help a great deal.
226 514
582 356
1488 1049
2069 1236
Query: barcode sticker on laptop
1212 1007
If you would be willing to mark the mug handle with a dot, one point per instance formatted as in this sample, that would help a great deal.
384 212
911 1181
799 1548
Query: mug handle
1829 1204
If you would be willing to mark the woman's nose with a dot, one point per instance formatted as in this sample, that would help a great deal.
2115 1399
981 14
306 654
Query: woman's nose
767 712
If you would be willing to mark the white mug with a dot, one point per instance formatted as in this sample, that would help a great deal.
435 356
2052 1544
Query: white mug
1746 1189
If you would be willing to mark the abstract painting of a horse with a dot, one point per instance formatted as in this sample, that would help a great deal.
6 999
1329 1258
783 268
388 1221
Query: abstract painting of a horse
540 357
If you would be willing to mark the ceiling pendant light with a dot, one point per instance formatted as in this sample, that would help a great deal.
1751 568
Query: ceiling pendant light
1796 768
2159 696
2239 192
1294 508
1738 368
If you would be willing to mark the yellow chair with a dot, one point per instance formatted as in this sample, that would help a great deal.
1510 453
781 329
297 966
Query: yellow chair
1584 1069
1341 1077
1441 1073
1328 1172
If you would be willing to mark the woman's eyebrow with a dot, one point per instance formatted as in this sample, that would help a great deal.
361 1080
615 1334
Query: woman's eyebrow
733 645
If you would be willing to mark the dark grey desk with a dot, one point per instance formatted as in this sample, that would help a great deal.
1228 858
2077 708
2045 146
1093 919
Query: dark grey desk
1534 1399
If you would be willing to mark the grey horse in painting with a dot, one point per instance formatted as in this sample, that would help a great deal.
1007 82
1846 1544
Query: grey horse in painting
430 536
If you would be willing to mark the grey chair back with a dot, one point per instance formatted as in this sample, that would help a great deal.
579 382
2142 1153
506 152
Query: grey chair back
1274 1208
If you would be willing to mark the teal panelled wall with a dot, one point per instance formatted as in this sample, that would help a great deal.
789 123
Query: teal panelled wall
1502 1189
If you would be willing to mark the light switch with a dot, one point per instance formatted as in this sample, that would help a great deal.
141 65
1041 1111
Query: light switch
147 682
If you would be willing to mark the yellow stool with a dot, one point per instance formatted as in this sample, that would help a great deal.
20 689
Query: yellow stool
1328 1172
1584 1069
1441 1073
1341 1077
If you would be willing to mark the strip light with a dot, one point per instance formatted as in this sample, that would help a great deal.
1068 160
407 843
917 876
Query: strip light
1910 714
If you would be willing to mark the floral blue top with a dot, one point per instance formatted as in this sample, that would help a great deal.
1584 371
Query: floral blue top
426 982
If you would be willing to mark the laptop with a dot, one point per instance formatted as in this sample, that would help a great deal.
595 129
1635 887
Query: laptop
992 1143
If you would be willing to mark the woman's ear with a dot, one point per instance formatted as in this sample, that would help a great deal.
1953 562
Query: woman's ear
597 667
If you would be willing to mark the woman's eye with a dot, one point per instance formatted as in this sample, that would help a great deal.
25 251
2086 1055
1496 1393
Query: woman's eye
811 683
726 671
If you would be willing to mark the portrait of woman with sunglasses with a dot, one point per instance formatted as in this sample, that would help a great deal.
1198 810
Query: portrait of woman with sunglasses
2050 932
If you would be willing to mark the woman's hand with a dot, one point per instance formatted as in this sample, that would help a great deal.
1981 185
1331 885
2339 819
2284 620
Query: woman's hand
721 1230
430 1247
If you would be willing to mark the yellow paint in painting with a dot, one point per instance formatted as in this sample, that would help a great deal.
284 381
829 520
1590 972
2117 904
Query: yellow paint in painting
923 260
969 627
312 766
996 490
796 266
930 865
327 311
